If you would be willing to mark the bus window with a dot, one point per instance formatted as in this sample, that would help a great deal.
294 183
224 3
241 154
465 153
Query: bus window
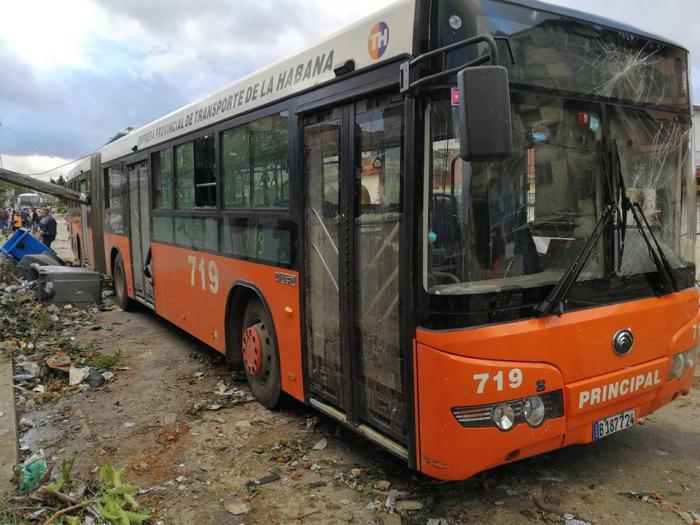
163 229
258 148
195 174
115 196
269 164
235 162
199 233
162 163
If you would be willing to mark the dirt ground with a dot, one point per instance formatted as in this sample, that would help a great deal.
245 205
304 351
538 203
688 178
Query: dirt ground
193 452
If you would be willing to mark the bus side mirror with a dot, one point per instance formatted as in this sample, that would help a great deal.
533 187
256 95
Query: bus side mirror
484 114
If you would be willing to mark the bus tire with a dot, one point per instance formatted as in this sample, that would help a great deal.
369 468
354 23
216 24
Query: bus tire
121 295
260 355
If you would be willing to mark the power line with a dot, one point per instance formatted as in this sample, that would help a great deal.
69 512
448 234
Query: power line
2 124
31 143
59 167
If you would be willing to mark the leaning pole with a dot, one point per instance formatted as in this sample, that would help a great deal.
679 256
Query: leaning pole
44 187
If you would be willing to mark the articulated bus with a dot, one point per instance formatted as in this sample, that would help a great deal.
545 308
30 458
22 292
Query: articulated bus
463 228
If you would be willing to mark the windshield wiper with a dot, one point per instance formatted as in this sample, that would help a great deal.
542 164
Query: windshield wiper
654 247
555 299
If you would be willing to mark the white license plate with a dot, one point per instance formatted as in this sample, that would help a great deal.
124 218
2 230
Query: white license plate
613 424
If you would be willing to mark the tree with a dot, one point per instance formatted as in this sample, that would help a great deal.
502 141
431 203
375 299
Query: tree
61 181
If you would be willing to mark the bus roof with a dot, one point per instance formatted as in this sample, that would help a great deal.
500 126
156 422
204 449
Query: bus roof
380 37
307 69
80 166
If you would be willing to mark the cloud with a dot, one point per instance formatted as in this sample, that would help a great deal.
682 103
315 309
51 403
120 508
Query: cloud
31 164
90 68
47 34
83 70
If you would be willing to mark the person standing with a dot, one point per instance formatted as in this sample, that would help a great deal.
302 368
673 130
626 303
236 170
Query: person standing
4 220
47 226
35 220
16 221
26 220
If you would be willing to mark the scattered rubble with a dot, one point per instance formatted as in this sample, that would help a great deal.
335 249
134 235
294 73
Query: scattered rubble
53 496
49 360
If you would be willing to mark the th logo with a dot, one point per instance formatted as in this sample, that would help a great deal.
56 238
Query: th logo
378 40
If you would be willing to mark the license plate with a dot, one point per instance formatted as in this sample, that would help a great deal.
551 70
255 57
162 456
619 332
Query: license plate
613 424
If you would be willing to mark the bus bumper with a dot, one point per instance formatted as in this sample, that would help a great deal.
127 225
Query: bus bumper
449 450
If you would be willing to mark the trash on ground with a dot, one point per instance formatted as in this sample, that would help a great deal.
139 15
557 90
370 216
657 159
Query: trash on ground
30 369
77 375
570 519
32 473
94 379
254 483
392 496
59 361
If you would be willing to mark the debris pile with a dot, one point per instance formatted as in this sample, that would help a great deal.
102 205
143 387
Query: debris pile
49 361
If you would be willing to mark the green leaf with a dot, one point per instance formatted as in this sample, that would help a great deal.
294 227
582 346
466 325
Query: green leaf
121 490
106 361
63 478
110 477
131 501
137 517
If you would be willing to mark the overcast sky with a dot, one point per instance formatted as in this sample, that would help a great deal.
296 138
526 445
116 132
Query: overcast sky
75 72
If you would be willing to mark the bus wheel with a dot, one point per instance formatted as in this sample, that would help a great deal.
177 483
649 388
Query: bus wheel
120 293
260 355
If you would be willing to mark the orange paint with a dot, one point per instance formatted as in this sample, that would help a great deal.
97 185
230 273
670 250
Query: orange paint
74 225
189 300
572 353
89 247
579 343
121 243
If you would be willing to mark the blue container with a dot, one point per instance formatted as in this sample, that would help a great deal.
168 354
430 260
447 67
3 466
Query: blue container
23 243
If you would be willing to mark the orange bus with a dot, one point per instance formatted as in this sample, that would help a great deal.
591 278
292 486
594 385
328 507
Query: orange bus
463 228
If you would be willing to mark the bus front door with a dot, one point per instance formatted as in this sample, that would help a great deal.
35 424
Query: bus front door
140 231
353 159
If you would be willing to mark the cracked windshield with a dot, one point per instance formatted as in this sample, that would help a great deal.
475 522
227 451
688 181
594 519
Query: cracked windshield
521 223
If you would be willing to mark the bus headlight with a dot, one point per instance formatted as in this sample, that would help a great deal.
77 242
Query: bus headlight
503 416
534 411
677 366
681 363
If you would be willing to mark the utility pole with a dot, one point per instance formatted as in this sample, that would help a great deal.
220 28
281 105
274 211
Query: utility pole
44 187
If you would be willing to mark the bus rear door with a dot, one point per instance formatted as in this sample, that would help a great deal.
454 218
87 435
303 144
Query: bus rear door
140 231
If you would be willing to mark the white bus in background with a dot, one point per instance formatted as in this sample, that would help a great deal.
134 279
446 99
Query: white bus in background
28 200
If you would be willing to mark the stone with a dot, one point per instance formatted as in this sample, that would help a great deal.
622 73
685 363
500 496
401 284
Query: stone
237 508
409 504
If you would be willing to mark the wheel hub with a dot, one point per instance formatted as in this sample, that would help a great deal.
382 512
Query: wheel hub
253 349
